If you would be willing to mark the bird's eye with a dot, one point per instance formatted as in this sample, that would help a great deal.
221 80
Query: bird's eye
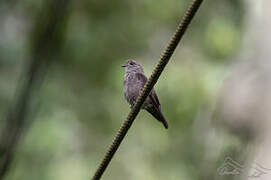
132 63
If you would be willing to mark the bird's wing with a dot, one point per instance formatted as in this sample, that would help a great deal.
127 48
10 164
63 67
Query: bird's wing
155 109
143 79
153 94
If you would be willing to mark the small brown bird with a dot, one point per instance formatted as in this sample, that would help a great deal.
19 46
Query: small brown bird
134 81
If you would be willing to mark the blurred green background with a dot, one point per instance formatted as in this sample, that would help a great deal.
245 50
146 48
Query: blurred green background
81 102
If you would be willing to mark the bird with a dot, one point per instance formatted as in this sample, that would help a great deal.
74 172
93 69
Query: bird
134 81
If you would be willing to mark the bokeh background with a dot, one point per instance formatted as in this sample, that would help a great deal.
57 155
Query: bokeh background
78 104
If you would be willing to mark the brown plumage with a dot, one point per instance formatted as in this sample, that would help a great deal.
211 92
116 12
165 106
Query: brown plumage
134 81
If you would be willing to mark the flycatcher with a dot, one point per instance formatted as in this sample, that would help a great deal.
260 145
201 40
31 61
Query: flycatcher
134 81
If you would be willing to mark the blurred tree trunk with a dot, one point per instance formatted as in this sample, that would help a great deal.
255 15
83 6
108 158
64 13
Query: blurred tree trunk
245 101
47 37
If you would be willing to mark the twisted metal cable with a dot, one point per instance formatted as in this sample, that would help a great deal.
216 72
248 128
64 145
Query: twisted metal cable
148 87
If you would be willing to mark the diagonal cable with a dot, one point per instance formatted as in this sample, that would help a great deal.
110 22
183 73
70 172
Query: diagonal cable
188 16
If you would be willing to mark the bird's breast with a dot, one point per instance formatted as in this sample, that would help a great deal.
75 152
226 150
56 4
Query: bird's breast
130 87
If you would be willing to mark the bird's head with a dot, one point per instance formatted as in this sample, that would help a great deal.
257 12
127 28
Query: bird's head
132 66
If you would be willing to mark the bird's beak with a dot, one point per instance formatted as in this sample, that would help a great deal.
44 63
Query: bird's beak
123 65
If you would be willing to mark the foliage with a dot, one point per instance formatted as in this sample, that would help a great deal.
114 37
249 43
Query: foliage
81 100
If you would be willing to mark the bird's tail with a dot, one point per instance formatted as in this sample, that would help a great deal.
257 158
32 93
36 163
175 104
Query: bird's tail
158 115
